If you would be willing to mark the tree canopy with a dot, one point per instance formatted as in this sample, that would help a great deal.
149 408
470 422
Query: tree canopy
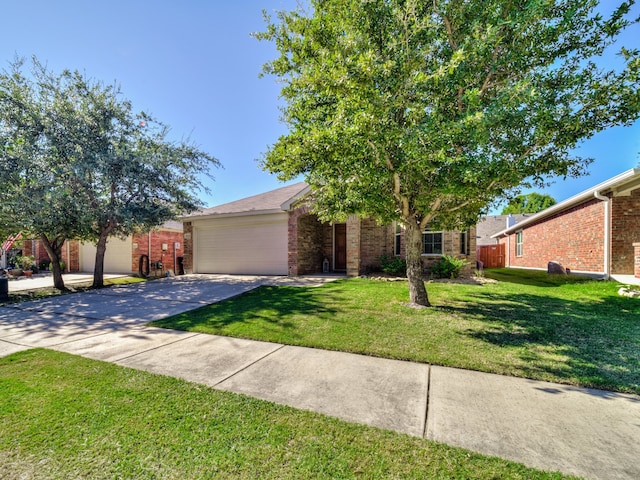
425 112
529 203
80 164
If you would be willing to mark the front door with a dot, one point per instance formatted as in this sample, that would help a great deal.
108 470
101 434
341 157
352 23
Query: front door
340 246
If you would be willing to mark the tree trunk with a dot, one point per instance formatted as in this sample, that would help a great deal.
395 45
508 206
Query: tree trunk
54 250
413 245
98 270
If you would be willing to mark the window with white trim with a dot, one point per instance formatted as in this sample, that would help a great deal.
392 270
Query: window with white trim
431 243
519 243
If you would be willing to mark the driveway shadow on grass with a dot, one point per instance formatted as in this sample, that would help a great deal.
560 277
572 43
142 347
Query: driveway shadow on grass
593 343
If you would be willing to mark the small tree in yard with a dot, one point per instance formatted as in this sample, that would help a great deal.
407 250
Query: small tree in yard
424 112
98 169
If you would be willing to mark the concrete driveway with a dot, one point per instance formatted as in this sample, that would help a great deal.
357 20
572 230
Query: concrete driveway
591 433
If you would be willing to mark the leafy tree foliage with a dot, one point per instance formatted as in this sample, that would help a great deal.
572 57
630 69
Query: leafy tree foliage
426 111
82 165
529 203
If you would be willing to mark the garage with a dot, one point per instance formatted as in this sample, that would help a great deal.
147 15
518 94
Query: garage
246 244
117 258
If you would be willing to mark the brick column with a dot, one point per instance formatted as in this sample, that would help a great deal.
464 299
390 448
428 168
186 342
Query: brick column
636 256
187 257
353 246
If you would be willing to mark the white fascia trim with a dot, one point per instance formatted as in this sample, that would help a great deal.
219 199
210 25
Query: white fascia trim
287 205
576 199
197 218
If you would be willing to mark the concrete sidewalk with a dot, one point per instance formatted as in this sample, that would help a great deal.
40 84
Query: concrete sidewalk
590 433
45 280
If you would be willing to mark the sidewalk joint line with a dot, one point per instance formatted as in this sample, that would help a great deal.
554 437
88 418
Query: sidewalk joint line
75 340
426 412
249 365
115 360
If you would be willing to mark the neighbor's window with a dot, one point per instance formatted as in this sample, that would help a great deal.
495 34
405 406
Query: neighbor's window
396 248
432 243
464 242
519 243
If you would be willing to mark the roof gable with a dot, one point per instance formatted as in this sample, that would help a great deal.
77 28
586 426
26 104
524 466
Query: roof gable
620 185
278 200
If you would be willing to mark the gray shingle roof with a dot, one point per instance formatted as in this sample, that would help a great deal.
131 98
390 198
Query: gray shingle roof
492 224
264 202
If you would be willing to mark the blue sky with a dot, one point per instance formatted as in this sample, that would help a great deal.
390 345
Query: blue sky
193 65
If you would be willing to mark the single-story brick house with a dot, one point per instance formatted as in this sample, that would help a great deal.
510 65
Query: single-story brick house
593 232
164 244
275 233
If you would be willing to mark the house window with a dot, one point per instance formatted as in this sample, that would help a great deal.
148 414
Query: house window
519 243
432 243
464 242
397 243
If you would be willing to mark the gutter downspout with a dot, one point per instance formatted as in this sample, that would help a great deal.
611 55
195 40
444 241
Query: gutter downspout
607 233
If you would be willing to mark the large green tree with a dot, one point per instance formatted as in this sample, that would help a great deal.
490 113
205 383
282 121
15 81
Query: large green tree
106 170
529 203
34 198
425 111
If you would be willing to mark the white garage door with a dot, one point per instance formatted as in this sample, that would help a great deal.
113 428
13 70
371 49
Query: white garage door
243 245
117 258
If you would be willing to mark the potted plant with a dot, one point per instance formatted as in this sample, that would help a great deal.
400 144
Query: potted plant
26 262
14 268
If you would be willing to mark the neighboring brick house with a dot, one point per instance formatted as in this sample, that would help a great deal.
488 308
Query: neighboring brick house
491 224
164 244
594 232
489 252
275 233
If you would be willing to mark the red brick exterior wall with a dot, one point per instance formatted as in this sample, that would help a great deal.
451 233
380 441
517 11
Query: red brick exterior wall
574 238
625 231
636 254
71 250
310 245
376 240
188 247
311 241
71 256
353 246
292 236
451 245
70 253
172 240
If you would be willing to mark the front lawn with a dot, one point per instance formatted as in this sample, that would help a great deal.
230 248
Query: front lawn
64 417
560 329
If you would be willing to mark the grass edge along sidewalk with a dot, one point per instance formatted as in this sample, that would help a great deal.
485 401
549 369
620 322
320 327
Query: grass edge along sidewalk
63 416
563 329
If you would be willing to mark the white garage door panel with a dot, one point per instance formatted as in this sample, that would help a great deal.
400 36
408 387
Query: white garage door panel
242 248
117 258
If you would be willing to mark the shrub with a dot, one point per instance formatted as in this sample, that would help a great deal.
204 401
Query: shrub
448 267
25 261
393 265
63 266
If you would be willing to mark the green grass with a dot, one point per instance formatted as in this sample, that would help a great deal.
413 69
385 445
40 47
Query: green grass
65 417
554 328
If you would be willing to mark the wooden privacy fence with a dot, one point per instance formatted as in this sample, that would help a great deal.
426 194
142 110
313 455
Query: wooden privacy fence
491 256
